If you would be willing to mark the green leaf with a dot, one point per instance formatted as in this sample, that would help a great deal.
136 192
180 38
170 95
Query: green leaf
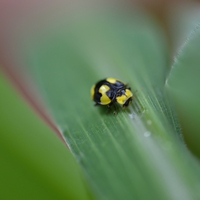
34 162
182 85
182 20
139 153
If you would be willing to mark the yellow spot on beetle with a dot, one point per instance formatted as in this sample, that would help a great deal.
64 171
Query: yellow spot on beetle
111 80
104 98
92 92
124 97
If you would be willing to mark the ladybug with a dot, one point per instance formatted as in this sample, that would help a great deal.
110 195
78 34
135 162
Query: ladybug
109 91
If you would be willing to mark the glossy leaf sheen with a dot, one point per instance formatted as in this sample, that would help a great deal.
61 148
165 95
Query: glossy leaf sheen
182 85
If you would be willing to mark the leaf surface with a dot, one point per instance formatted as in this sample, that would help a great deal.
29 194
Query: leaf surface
137 154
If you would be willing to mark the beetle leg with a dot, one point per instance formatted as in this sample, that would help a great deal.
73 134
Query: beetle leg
115 109
109 107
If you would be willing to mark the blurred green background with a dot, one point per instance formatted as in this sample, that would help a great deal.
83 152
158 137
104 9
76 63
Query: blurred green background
35 164
33 158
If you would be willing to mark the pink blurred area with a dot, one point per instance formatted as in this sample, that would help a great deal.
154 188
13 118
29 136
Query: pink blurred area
20 20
